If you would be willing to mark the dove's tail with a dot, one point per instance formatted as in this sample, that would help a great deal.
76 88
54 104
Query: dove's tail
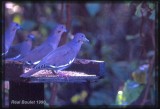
28 74
14 58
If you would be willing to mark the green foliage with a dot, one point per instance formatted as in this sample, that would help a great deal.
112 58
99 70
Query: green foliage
79 97
28 25
49 24
93 8
138 11
43 30
100 98
140 75
48 10
145 10
121 70
17 18
152 16
131 91
131 37
151 5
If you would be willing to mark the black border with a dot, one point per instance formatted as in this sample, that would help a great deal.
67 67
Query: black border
157 62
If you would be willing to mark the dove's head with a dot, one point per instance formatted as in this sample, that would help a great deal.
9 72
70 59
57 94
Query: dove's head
60 29
31 37
80 38
15 26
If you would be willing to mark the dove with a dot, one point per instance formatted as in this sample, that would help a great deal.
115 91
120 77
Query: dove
61 58
48 45
20 50
9 35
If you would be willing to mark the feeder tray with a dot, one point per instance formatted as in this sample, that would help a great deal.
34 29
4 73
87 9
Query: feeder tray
81 70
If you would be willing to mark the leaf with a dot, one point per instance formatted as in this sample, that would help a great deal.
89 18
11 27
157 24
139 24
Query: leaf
128 3
17 18
93 8
131 37
48 10
75 98
43 30
131 91
28 25
50 24
152 16
79 97
140 75
83 95
120 99
151 5
138 11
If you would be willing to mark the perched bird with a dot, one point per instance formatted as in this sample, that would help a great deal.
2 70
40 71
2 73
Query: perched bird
48 45
9 35
20 50
62 57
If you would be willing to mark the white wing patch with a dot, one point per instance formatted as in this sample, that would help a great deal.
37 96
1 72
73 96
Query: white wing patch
4 53
62 65
17 56
36 62
28 63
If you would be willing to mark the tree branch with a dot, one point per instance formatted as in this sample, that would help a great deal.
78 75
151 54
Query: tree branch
151 66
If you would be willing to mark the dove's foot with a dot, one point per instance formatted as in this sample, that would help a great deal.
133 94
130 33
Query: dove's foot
62 75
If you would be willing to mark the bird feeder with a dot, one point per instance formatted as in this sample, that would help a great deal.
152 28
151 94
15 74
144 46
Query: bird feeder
32 88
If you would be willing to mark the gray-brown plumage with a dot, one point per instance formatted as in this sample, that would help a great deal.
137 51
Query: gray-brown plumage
47 46
60 58
9 35
20 50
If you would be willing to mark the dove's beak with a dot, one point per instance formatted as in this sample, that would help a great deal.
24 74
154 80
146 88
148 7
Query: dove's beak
20 28
85 40
32 37
65 30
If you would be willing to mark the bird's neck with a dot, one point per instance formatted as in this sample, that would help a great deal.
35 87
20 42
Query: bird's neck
54 38
29 42
75 45
11 32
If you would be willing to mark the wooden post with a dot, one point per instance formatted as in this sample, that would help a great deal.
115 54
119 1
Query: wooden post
26 95
22 94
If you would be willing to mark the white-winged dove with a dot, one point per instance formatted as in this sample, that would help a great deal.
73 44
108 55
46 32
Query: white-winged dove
60 58
9 35
47 46
20 50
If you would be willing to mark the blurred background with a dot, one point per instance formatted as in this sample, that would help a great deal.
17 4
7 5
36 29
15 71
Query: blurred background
121 33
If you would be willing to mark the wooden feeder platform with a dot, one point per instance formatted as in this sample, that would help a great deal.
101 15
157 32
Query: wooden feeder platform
81 71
